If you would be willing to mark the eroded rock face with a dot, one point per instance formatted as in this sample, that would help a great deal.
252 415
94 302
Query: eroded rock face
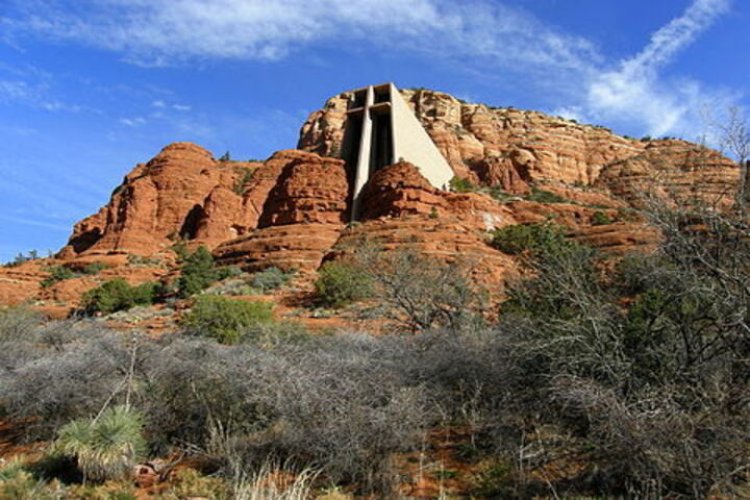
398 190
292 210
673 170
506 147
157 203
301 218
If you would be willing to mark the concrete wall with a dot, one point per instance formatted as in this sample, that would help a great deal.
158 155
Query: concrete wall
362 172
412 143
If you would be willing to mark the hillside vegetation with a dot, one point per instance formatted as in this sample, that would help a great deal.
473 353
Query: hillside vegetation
623 377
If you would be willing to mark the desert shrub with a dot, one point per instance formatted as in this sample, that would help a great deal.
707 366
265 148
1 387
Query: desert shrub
232 287
189 483
501 195
117 295
106 447
421 293
543 196
647 367
17 323
224 319
141 261
246 176
197 272
461 185
19 484
58 273
267 483
270 279
94 268
600 219
534 238
341 283
63 380
343 404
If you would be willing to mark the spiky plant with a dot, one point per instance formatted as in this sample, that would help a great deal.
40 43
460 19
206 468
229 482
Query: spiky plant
106 447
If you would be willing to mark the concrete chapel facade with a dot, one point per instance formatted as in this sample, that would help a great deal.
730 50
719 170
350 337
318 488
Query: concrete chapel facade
381 129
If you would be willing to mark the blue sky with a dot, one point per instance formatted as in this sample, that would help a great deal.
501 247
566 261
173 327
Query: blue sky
89 88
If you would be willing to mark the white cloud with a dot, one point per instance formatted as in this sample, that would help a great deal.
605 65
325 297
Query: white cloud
164 32
638 93
490 38
33 95
133 122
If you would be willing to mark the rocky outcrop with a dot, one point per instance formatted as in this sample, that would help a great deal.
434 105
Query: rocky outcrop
310 189
506 147
292 210
301 217
672 170
158 203
398 190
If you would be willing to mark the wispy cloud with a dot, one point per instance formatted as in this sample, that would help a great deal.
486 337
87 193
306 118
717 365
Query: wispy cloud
34 95
636 90
164 32
133 122
488 36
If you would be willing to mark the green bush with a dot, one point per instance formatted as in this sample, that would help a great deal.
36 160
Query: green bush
118 295
341 283
106 447
94 268
600 219
270 279
535 238
461 185
224 319
58 273
542 196
198 271
242 180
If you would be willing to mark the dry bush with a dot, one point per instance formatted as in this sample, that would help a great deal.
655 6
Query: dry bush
648 370
64 374
421 293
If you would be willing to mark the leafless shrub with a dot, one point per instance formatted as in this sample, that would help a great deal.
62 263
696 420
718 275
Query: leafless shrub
419 292
17 322
52 387
647 369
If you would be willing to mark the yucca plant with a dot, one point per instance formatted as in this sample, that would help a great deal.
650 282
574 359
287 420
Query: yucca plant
106 447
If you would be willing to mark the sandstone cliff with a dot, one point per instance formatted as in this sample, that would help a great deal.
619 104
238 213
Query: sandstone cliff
292 210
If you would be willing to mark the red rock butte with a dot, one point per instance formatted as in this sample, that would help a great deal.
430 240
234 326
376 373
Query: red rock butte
293 210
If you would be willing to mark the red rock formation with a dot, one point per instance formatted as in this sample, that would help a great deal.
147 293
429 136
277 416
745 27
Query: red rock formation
310 189
672 169
400 189
301 217
538 146
291 210
157 203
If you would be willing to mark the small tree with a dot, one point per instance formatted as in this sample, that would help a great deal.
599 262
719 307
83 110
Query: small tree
420 292
117 295
533 238
198 271
56 274
224 319
341 283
